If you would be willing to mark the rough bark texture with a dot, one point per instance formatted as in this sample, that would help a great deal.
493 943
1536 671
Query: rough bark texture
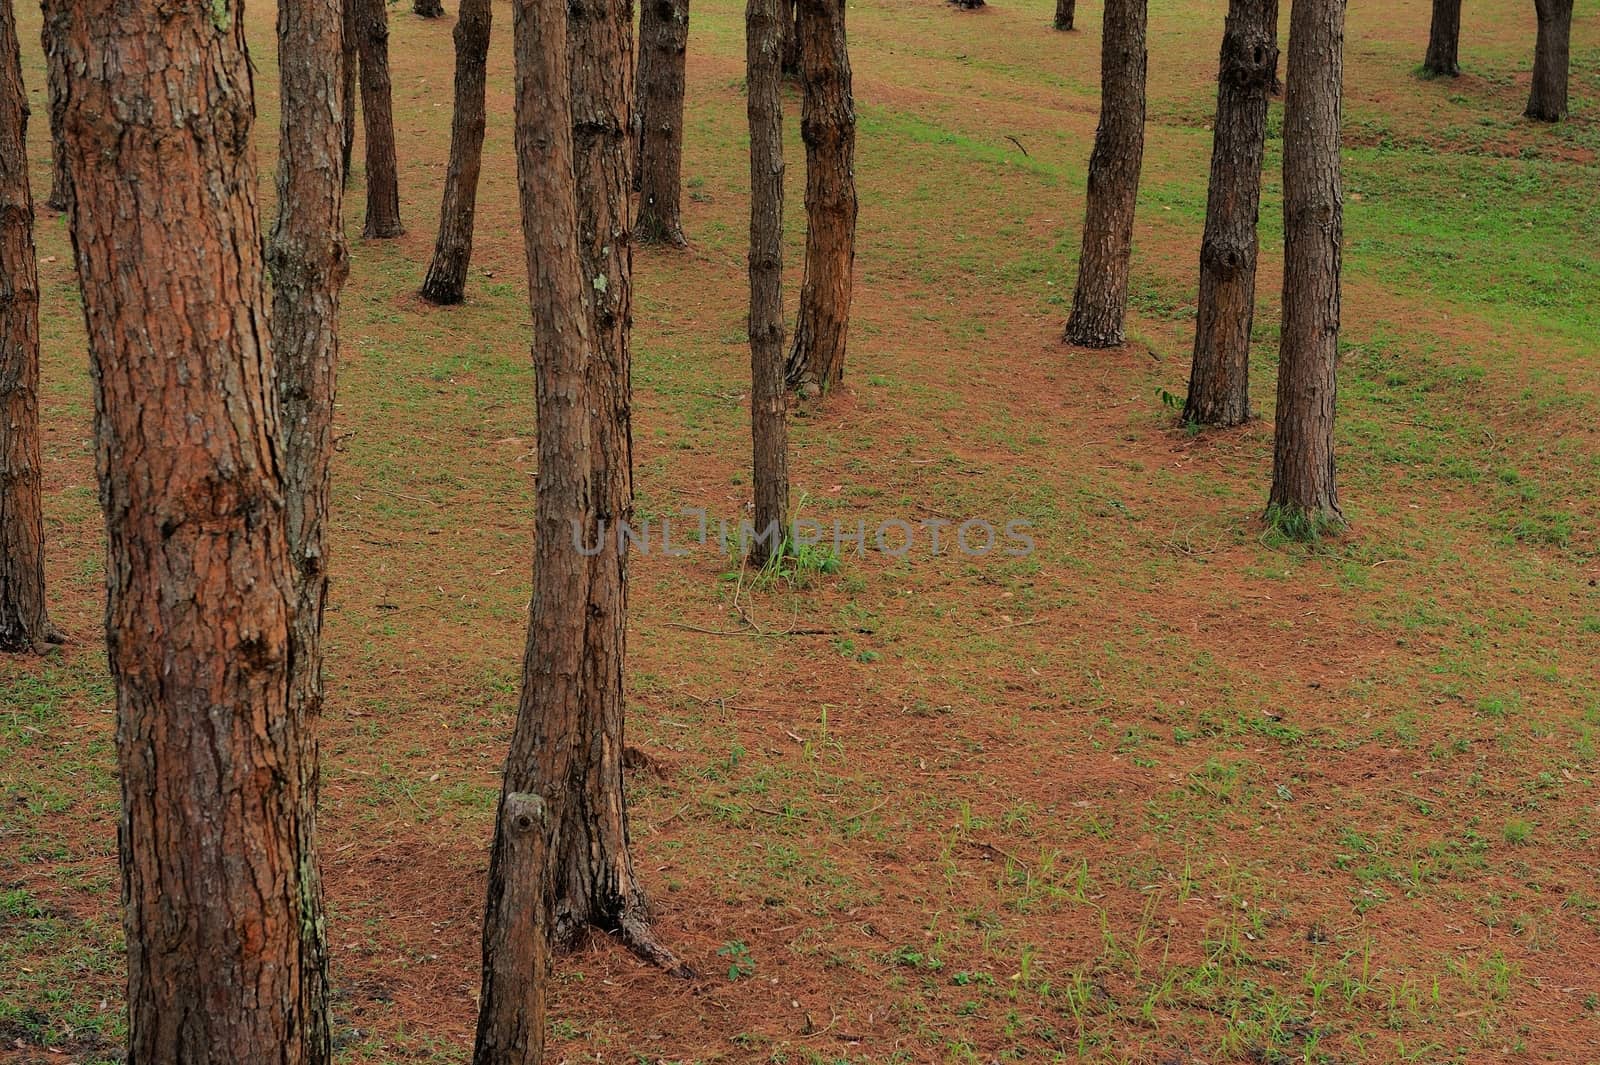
377 115
56 87
663 45
1100 302
308 262
763 21
349 83
1304 487
24 623
1066 12
828 128
427 9
446 280
200 594
1444 39
1547 97
1219 380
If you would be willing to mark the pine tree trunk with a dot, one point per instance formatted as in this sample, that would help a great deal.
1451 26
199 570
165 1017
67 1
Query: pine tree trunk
1100 302
377 113
789 13
1219 381
828 128
446 280
1547 97
1444 39
769 396
427 8
1066 12
1304 486
200 592
663 44
349 83
24 622
56 87
308 263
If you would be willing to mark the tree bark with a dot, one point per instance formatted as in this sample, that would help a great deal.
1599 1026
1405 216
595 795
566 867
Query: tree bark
427 8
1066 12
828 128
664 40
1547 97
1304 484
769 395
24 622
200 594
1444 39
1219 381
308 263
789 13
377 113
446 280
1100 302
349 74
56 86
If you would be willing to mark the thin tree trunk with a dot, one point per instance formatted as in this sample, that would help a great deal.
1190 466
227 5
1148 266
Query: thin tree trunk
200 592
1305 493
1547 97
1066 12
789 13
24 622
828 128
308 262
1100 302
663 40
427 8
446 280
768 395
1219 381
377 113
1444 39
56 86
349 84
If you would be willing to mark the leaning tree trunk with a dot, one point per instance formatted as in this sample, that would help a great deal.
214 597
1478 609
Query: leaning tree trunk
377 113
828 128
446 280
768 394
1219 381
308 261
349 86
428 8
1100 302
1305 493
56 86
1444 39
1066 12
200 592
24 622
1547 97
663 44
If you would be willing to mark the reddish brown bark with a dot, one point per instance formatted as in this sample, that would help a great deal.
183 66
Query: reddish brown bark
56 87
1547 94
24 622
377 114
446 280
663 47
1444 40
828 128
169 253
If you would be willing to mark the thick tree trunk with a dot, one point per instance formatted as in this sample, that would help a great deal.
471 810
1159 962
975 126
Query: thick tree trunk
769 396
427 8
446 280
1100 303
377 114
1219 381
1547 97
1305 493
56 87
828 128
349 84
308 262
663 44
200 592
1066 12
1444 39
24 622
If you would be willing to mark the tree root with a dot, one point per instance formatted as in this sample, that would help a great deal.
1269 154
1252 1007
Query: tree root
634 932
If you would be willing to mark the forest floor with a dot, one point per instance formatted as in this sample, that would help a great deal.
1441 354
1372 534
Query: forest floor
1167 790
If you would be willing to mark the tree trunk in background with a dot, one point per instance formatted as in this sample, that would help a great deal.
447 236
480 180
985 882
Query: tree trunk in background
769 397
828 128
1066 12
308 262
1444 38
1100 302
663 44
446 280
56 86
427 8
377 113
1219 380
349 73
1304 488
200 592
1547 98
789 14
24 622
